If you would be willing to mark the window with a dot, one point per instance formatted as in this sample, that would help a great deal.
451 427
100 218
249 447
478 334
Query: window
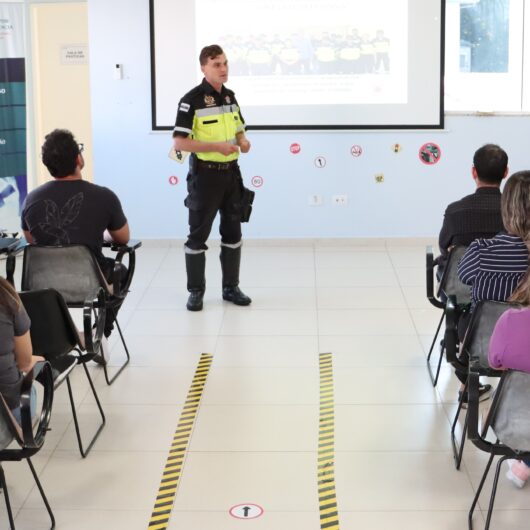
485 64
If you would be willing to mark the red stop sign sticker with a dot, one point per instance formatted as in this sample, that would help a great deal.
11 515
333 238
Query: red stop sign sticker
295 148
173 180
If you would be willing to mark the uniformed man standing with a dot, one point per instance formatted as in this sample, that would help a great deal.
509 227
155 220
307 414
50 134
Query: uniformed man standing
210 125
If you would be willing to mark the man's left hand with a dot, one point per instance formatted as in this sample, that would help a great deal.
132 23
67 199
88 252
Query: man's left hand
244 145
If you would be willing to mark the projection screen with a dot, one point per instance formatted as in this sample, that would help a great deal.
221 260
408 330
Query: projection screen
306 64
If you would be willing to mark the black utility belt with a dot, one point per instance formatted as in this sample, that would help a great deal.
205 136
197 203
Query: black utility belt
217 166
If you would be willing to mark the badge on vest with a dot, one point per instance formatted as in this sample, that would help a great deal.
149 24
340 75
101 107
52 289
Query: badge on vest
209 101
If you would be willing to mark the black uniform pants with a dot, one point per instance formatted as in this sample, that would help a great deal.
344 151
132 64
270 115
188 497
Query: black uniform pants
211 191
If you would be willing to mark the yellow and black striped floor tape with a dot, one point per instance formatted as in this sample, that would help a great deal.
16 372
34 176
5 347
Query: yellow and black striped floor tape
327 499
173 469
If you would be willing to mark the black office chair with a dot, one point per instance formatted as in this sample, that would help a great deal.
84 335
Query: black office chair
449 285
509 418
476 346
20 442
74 272
55 337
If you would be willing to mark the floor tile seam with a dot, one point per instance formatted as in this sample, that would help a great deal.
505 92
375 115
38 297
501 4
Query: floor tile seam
278 405
133 309
291 404
425 511
87 509
404 297
41 472
316 452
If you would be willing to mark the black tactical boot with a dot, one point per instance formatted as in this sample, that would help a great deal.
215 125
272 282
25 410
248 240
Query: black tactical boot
195 264
230 260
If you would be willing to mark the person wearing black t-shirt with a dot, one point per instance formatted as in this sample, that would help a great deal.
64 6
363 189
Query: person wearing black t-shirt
479 214
70 210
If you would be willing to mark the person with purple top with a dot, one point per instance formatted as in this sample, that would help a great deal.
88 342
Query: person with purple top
510 349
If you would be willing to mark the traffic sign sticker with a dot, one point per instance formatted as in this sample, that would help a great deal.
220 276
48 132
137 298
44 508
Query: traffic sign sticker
430 153
356 151
295 148
257 181
173 180
246 511
320 162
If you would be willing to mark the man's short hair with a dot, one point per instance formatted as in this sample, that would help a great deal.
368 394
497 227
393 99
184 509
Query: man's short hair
210 52
59 153
491 162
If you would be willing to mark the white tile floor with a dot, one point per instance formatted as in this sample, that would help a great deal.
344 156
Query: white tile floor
255 438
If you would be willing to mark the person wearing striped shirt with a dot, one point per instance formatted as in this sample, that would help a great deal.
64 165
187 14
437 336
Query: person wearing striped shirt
495 267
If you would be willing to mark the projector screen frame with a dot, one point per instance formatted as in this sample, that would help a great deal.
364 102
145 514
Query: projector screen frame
339 127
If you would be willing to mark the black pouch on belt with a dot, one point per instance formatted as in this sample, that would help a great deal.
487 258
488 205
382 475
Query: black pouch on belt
247 198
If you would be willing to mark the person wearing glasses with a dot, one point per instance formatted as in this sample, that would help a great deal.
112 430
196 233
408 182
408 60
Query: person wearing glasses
69 210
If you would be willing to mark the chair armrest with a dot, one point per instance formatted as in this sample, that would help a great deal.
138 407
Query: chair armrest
474 433
132 244
93 330
30 440
429 270
120 291
41 372
451 333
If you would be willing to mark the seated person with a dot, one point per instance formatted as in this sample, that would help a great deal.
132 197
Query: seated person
15 349
510 349
494 267
70 210
479 214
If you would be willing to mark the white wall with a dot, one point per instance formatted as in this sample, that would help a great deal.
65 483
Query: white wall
132 160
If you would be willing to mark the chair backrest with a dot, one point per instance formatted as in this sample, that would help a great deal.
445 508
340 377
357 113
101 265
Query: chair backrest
53 333
71 269
477 339
511 421
450 284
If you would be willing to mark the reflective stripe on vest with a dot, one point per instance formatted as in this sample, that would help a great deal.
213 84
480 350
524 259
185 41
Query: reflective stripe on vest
217 124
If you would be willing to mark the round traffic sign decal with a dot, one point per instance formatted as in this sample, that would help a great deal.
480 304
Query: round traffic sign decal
430 153
356 150
295 148
257 181
320 162
246 511
173 180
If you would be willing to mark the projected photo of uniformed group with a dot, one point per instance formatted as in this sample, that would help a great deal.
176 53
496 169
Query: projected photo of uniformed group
341 52
306 62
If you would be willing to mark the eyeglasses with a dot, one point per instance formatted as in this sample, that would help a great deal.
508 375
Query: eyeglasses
81 147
